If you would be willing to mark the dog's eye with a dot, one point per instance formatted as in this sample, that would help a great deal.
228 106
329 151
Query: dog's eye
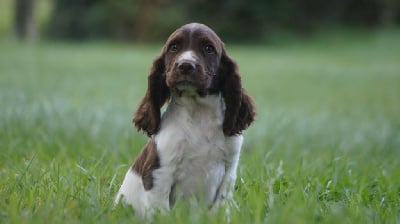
173 47
209 49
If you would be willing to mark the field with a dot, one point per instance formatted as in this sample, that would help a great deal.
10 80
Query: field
325 147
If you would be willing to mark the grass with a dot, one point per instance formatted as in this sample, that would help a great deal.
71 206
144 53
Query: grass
325 147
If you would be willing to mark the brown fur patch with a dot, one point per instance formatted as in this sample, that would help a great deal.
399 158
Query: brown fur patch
147 161
240 109
147 116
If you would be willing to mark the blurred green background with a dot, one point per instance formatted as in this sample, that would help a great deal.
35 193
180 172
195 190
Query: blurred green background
235 20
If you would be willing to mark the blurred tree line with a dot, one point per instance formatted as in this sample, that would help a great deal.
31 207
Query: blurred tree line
237 20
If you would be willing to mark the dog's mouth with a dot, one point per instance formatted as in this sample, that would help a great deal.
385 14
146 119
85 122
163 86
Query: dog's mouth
188 88
188 84
185 83
185 86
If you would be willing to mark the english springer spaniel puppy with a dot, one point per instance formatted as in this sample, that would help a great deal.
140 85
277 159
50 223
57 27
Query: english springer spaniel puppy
193 148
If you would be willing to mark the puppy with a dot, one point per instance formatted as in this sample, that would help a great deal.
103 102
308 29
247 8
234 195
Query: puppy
193 148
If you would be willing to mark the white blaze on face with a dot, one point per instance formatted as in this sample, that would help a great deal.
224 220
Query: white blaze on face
187 56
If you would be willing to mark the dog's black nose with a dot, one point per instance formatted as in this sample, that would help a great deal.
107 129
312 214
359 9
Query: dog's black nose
186 68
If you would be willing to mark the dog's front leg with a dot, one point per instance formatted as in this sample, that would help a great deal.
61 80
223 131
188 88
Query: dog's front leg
160 195
225 190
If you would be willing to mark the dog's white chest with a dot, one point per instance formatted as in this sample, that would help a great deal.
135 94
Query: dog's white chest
191 142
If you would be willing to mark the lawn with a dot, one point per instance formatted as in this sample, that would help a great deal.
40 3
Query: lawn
325 147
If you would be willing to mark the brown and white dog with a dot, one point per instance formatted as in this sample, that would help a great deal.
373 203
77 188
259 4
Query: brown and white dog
194 147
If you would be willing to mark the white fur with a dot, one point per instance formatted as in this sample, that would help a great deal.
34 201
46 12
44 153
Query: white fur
195 157
187 55
132 190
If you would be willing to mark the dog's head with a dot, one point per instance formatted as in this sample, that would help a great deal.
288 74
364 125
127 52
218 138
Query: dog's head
194 60
192 56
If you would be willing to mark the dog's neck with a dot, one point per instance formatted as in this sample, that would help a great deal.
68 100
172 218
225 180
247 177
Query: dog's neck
195 107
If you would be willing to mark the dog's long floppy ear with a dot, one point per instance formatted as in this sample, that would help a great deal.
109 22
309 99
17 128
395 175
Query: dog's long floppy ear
148 115
239 107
